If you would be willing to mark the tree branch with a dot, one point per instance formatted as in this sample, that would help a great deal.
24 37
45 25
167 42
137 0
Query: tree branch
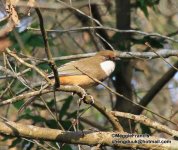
40 72
114 121
78 90
47 49
84 137
165 53
110 29
75 89
124 97
146 121
53 5
155 89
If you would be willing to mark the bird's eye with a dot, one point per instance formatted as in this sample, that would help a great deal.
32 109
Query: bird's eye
111 58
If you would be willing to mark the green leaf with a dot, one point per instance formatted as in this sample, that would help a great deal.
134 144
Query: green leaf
144 4
66 124
18 104
66 147
154 42
15 142
50 103
73 114
36 119
143 7
145 129
65 106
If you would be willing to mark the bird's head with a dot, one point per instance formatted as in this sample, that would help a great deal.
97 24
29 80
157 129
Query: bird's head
107 55
108 61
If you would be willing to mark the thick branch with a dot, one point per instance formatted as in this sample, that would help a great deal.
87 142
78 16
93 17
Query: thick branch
75 89
83 137
96 14
146 121
22 96
122 55
155 89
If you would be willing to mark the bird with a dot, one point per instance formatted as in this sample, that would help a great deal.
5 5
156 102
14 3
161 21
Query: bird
82 72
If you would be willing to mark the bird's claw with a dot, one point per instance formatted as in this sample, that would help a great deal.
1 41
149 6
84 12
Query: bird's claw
88 99
81 99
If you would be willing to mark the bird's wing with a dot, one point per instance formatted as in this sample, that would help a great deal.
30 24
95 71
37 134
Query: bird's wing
67 69
85 65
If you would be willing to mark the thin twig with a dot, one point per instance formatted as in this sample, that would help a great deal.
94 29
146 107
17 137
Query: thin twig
113 120
36 142
55 118
147 44
52 5
76 89
155 89
122 96
28 65
18 74
79 11
24 96
93 124
104 40
14 75
110 29
47 49
122 55
7 88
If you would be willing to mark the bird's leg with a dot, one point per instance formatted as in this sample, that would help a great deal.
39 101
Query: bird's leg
84 96
89 99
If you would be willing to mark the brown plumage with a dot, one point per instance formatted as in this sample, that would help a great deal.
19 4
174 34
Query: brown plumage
70 75
93 66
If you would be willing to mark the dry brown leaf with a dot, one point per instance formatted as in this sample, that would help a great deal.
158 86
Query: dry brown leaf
4 43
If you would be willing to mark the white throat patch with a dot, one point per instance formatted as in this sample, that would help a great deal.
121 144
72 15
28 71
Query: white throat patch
108 67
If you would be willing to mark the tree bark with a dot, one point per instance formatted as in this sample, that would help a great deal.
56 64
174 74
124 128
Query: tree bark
123 73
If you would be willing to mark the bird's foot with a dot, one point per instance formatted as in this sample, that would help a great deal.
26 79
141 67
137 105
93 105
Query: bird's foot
88 99
82 98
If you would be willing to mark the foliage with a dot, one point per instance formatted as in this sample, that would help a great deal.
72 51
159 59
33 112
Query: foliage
29 44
